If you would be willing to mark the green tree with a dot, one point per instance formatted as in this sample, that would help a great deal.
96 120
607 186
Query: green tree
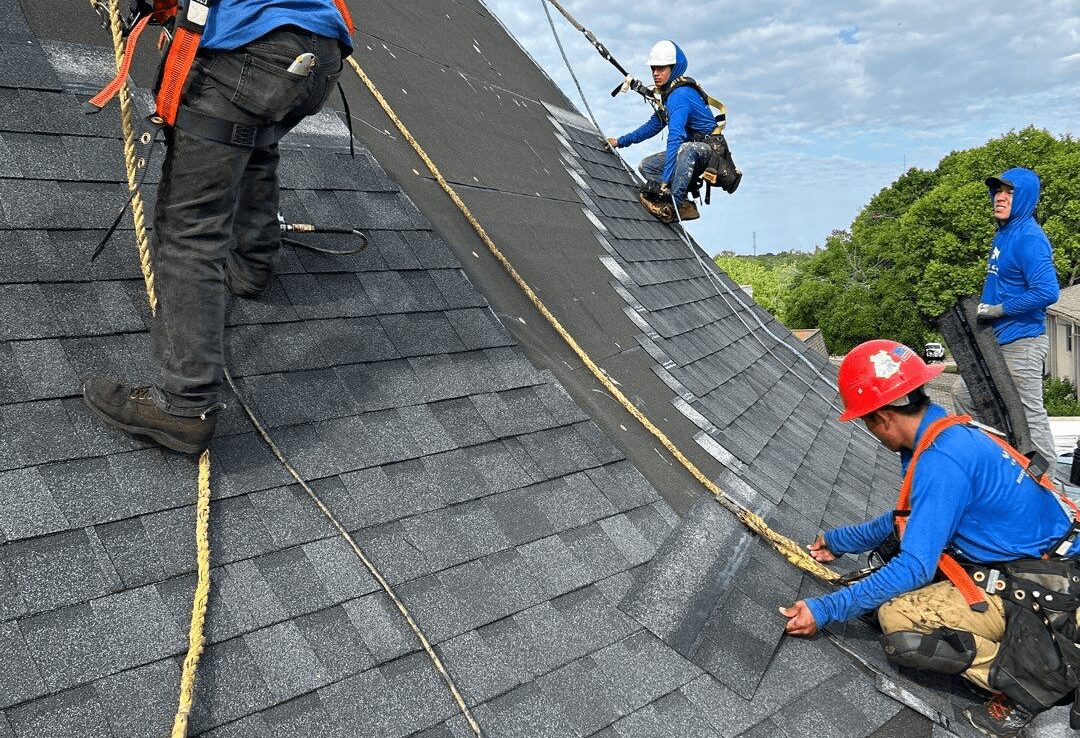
770 275
922 242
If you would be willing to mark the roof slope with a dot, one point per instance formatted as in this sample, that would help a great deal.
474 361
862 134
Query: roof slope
523 540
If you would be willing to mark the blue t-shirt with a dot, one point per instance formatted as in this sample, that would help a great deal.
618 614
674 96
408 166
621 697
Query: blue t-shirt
234 23
968 495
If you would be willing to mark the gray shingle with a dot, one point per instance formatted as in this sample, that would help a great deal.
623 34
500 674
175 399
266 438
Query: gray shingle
57 570
29 508
73 714
381 626
45 368
304 716
67 646
20 680
286 660
230 686
140 702
526 712
336 643
294 580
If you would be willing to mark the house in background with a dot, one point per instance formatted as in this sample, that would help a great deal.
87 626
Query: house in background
813 338
1063 329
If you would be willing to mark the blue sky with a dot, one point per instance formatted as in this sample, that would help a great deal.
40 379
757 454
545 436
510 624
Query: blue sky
827 101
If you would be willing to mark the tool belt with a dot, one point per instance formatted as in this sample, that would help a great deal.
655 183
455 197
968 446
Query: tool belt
1038 661
720 171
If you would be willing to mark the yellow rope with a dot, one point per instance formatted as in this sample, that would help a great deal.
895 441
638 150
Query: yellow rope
368 563
196 638
130 159
198 604
788 548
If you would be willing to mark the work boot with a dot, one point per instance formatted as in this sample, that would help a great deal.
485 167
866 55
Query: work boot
1000 717
688 210
132 410
662 211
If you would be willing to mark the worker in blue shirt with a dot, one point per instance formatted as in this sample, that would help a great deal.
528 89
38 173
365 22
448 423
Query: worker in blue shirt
690 126
966 497
1021 282
261 66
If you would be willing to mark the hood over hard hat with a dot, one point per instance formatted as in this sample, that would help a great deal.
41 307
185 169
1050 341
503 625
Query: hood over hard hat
879 372
668 54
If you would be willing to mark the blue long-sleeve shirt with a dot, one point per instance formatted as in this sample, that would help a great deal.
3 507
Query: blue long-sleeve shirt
965 495
234 23
1020 273
687 113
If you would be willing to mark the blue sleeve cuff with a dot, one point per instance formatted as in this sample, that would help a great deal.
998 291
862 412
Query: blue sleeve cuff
815 607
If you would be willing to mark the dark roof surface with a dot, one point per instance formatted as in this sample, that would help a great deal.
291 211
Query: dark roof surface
532 532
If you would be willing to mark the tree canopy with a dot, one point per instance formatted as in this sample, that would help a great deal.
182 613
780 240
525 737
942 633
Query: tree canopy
923 241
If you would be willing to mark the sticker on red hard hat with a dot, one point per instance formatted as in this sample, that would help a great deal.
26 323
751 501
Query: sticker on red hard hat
885 365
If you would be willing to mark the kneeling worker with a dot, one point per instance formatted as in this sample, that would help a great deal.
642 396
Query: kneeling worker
1004 617
694 134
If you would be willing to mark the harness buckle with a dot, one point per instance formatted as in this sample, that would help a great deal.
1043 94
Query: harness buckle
991 581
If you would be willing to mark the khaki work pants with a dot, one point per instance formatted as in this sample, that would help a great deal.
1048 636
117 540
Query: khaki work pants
941 605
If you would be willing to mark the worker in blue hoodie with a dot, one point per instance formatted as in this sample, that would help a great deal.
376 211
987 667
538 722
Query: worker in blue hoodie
1021 283
260 68
685 113
965 497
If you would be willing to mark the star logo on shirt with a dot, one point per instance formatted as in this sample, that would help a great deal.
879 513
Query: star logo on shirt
995 254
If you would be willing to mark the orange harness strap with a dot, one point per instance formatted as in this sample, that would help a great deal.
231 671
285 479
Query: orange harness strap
345 16
100 100
956 574
972 593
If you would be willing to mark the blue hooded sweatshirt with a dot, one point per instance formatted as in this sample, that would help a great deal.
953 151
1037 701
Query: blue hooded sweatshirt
1020 276
966 496
687 113
234 23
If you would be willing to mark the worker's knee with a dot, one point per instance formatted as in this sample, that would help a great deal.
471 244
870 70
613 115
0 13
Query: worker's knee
943 650
894 616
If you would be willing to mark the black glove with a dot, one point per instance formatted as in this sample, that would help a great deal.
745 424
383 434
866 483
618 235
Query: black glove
989 312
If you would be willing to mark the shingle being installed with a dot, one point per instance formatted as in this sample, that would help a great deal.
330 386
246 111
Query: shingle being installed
530 527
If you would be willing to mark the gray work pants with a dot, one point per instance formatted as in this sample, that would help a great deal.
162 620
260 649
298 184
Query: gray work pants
692 159
217 204
1024 358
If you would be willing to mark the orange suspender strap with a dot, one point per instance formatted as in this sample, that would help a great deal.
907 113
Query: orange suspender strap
100 100
345 16
189 27
972 593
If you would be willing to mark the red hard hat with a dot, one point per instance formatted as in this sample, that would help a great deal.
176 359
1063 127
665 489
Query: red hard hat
875 373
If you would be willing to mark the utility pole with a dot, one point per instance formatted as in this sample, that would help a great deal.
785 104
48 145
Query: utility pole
755 242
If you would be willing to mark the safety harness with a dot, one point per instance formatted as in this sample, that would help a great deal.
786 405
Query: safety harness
975 582
721 170
182 42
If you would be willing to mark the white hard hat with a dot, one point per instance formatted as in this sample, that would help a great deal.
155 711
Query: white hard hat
662 54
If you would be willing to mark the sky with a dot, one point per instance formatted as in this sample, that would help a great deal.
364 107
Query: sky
828 102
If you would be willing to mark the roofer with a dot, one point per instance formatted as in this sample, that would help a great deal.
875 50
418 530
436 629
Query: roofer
966 497
695 140
1021 283
261 67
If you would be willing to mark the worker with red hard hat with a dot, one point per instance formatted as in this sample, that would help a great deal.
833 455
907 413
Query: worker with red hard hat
974 542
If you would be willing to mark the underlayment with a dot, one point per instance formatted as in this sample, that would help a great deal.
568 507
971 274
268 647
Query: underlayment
982 366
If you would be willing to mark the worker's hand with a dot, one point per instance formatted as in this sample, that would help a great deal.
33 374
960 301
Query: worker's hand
819 551
613 143
989 312
800 619
665 189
